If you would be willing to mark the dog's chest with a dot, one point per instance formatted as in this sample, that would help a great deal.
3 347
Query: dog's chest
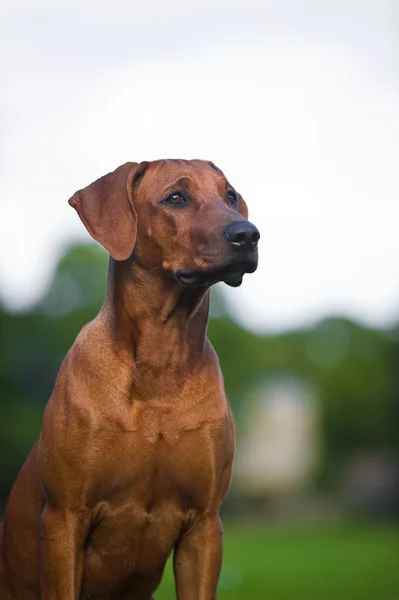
157 457
154 482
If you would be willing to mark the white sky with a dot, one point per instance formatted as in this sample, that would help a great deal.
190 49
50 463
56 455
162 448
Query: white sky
297 102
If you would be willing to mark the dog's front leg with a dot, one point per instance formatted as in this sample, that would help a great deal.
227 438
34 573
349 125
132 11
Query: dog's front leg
197 560
62 538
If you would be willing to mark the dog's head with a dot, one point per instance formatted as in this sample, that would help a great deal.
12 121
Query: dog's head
180 217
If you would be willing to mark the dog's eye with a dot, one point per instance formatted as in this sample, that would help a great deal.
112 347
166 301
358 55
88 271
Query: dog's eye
175 199
232 197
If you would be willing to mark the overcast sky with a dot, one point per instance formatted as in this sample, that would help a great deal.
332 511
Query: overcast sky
297 102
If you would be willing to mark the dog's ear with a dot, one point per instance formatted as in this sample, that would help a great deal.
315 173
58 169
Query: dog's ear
242 207
106 209
213 166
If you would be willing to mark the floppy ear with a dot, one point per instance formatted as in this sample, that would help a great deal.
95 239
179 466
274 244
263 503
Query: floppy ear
106 209
212 164
242 207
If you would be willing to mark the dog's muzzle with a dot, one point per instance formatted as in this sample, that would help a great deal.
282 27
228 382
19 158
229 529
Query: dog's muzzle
242 238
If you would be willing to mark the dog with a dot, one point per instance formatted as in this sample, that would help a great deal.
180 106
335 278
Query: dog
135 454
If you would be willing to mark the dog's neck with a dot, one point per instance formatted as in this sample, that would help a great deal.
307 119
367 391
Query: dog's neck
160 323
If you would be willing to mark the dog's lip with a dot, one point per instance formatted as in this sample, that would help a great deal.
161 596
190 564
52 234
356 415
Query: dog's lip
234 281
187 277
231 274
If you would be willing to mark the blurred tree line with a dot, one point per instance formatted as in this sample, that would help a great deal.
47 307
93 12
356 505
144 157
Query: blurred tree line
355 369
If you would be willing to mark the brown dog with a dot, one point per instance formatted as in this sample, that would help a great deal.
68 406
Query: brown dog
137 444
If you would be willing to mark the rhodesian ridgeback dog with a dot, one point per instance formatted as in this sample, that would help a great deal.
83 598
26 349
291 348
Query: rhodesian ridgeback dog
135 454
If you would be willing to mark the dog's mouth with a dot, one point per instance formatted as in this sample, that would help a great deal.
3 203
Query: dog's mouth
231 274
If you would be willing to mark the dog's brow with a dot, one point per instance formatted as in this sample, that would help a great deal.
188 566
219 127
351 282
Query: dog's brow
179 182
183 181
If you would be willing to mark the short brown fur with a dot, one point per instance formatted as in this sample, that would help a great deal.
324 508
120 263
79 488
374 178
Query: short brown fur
135 454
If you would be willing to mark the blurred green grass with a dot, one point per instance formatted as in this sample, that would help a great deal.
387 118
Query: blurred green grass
352 561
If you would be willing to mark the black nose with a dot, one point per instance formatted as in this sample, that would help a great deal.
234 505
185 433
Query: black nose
242 235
